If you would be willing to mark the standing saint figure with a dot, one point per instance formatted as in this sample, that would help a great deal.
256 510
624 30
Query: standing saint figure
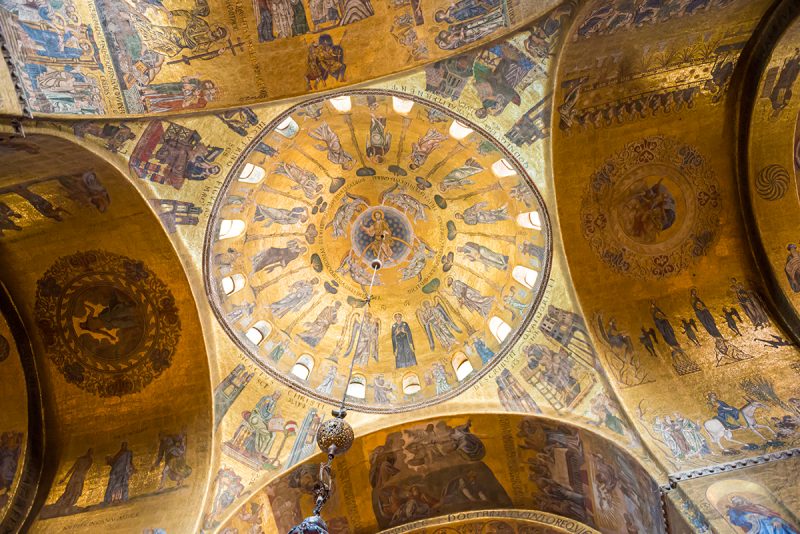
704 315
751 304
458 178
172 451
119 476
336 153
424 146
74 489
469 297
402 343
478 214
379 141
302 291
364 339
316 329
486 256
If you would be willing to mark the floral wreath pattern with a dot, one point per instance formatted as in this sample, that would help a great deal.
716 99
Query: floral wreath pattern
652 209
109 324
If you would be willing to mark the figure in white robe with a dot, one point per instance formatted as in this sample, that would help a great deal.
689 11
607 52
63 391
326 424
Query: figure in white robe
350 205
270 215
307 181
478 214
422 149
302 291
458 178
364 341
486 256
336 153
470 298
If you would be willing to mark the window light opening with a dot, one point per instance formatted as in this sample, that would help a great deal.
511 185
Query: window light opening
342 104
229 228
526 277
530 220
252 174
357 388
502 168
462 366
411 384
459 131
401 105
288 127
259 332
303 367
232 284
499 328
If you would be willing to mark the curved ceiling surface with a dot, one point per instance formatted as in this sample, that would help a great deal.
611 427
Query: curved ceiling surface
300 218
148 57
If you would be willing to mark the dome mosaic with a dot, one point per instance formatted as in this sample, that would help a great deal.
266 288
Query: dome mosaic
333 184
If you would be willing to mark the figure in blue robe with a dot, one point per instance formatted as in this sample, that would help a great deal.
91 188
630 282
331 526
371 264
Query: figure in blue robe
757 519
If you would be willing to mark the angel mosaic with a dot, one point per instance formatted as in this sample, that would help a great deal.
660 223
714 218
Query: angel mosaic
483 255
438 324
416 264
470 298
349 207
332 145
364 334
282 216
301 292
305 180
409 205
459 177
355 268
478 214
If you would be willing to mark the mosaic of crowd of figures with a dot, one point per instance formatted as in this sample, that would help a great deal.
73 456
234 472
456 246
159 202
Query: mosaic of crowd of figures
701 363
462 234
104 57
447 466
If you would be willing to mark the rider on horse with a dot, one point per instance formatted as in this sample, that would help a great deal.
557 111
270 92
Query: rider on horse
726 414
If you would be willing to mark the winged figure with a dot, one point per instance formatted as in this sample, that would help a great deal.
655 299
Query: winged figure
411 206
363 341
438 324
351 204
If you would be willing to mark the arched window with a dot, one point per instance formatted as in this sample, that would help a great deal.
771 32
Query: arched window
459 131
411 384
526 277
259 332
499 328
342 104
502 168
461 365
303 366
231 228
252 174
357 388
288 127
232 284
530 220
401 105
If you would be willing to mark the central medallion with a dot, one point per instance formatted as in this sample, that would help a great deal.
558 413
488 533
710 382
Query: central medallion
382 233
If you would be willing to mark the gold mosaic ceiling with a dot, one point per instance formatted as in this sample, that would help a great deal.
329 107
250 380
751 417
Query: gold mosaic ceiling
301 218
